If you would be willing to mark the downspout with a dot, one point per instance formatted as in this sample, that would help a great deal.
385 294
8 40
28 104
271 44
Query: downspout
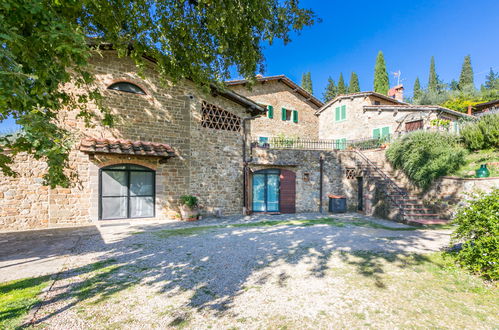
321 176
245 162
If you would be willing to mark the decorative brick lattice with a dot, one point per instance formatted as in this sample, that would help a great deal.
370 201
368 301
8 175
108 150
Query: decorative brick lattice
218 118
351 173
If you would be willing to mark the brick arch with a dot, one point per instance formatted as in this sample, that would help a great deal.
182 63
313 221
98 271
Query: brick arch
108 83
139 162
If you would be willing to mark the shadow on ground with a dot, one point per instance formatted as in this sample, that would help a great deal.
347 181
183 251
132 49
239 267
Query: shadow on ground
216 263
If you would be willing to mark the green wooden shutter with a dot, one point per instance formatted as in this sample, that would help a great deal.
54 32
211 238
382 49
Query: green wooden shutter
343 112
376 133
343 143
283 114
337 115
295 116
385 132
270 111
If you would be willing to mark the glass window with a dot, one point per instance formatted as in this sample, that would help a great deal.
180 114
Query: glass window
127 87
126 191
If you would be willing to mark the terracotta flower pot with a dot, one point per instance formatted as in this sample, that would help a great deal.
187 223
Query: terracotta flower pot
189 214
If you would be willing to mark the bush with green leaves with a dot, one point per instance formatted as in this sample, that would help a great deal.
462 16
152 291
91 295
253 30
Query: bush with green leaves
189 201
425 156
482 134
478 230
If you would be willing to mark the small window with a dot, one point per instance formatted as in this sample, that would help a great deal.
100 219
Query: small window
377 103
263 140
341 113
127 87
289 115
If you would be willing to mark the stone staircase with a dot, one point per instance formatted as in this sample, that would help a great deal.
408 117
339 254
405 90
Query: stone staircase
410 209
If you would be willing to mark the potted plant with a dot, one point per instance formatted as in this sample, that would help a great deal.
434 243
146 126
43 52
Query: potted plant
189 208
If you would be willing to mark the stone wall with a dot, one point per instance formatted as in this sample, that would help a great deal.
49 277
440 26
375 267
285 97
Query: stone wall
306 165
208 162
280 96
360 124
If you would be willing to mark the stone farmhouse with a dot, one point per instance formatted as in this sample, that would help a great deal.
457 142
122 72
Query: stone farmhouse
290 109
173 140
370 115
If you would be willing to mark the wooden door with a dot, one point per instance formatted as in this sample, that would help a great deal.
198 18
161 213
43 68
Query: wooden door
288 191
413 125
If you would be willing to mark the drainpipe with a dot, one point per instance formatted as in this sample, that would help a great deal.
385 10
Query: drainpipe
245 162
321 172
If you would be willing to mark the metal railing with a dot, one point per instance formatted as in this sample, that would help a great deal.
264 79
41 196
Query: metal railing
310 144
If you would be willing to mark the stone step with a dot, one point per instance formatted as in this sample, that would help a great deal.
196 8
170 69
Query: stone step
416 209
419 222
421 215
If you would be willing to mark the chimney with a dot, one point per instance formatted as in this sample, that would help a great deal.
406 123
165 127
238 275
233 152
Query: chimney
397 92
470 110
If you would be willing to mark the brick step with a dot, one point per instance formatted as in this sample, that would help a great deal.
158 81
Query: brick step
421 215
422 222
415 210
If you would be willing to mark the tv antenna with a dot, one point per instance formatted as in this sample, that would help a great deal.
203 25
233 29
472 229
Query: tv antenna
397 75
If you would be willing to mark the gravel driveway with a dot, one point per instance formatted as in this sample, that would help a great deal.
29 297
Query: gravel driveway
294 276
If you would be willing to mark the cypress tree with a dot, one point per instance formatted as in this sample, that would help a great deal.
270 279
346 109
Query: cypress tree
492 80
433 78
354 83
342 88
306 82
381 83
466 76
417 89
331 90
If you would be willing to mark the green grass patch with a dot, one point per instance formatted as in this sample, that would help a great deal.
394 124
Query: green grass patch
17 298
302 223
473 161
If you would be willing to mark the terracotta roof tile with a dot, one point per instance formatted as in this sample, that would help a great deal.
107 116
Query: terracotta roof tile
126 147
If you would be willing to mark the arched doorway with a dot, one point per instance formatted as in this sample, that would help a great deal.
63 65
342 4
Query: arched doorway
126 191
274 191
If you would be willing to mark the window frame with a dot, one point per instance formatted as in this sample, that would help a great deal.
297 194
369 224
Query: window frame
380 128
340 113
143 93
128 171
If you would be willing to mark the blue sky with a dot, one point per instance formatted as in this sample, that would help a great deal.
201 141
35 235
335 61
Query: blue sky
408 33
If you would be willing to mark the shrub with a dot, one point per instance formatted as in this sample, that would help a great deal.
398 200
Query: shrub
426 156
478 229
482 134
189 200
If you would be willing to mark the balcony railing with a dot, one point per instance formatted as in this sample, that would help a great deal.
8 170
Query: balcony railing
309 144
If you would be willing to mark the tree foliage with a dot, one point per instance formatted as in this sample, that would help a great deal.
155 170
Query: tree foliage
45 45
466 76
354 86
381 82
478 230
417 89
492 80
481 134
331 90
306 82
432 77
425 156
342 87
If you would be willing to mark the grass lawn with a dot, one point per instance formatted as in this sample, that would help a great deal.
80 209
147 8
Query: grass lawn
17 298
475 159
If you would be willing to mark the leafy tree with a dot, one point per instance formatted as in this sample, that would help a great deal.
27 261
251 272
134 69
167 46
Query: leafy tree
342 87
354 83
381 83
454 85
466 76
331 90
433 80
492 80
417 89
45 44
306 82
